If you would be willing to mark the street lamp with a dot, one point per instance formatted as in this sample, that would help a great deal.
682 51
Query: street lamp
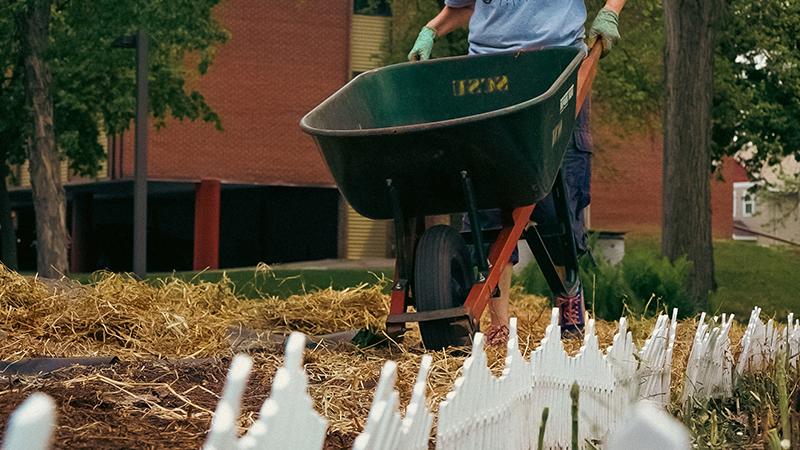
139 41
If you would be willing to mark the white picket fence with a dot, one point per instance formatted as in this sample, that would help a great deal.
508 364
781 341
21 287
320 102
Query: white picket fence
31 426
711 371
487 412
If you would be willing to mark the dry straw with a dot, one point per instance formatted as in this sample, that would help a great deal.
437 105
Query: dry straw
116 315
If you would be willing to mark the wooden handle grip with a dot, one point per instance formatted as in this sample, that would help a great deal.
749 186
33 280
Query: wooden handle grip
586 74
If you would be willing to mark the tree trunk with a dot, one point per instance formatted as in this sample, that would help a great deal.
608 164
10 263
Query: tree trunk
686 228
48 193
8 239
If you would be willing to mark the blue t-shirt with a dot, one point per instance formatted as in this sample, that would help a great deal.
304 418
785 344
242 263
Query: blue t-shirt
502 25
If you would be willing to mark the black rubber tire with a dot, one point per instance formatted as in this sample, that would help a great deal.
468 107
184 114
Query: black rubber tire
443 276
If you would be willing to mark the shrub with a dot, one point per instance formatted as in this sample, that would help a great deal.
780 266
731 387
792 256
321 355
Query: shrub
643 284
605 290
659 280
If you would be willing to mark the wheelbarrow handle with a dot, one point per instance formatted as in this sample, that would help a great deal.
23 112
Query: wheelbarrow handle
586 74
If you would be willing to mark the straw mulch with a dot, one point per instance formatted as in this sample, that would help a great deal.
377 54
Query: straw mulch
174 342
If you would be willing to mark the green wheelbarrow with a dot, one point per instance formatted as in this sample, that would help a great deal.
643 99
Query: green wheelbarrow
457 135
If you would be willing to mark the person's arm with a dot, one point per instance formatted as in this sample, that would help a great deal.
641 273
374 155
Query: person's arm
605 24
450 18
615 5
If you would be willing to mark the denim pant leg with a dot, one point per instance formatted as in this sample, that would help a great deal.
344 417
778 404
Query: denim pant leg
577 172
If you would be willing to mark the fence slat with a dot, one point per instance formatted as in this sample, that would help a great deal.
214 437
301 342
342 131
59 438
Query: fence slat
470 416
224 434
622 356
760 344
709 368
31 425
417 424
655 370
288 409
382 431
649 427
516 390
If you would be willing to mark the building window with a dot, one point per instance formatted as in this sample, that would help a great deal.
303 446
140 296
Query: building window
748 205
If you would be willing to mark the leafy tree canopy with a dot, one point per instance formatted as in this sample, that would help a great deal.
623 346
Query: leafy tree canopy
94 85
757 82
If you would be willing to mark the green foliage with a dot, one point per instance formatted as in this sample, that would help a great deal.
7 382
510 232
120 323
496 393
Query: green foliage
642 284
750 418
606 293
12 96
605 290
658 278
94 84
629 85
757 82
408 17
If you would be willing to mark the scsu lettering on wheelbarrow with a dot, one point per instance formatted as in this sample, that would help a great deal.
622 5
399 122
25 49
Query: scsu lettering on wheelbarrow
477 86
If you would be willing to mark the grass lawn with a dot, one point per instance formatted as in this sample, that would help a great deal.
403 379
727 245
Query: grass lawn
283 283
748 275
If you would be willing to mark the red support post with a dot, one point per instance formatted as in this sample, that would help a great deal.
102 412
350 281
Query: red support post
206 224
499 253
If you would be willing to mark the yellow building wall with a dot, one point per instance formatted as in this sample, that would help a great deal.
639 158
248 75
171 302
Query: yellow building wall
366 238
368 35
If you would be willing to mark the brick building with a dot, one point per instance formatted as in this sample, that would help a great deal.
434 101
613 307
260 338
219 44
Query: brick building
258 190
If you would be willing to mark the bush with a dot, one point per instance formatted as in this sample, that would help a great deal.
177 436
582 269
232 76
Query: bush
657 279
643 284
606 293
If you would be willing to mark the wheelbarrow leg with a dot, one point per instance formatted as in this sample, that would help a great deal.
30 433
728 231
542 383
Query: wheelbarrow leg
499 253
405 241
475 225
564 239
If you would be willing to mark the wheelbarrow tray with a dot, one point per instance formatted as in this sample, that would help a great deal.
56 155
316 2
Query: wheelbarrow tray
505 119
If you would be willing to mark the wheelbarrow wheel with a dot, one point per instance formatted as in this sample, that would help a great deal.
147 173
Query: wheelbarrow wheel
443 277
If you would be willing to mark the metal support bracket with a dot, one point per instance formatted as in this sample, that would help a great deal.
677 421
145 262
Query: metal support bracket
475 226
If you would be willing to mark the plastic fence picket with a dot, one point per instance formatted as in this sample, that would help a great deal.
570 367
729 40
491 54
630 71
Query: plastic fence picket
656 360
709 368
484 412
759 345
517 393
382 431
622 357
224 433
417 424
649 427
552 374
793 339
31 425
472 416
595 378
287 419
551 379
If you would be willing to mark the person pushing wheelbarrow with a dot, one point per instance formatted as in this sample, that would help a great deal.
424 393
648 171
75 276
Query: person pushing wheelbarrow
507 25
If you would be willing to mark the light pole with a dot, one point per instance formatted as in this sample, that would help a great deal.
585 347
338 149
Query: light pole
140 42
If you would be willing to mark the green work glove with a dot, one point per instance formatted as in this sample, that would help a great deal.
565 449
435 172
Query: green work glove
424 45
604 27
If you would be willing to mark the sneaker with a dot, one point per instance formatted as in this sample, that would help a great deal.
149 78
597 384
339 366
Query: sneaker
496 335
572 311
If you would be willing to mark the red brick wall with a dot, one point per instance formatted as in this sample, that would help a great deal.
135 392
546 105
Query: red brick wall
282 59
627 185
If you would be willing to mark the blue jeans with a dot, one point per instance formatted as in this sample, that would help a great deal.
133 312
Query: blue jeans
577 172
